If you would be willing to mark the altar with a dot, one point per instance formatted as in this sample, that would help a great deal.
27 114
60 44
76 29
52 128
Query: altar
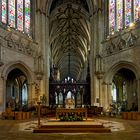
71 113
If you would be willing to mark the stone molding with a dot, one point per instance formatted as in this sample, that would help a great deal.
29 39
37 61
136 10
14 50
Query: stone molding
121 42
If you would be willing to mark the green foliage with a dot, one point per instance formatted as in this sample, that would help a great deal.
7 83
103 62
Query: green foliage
43 99
71 118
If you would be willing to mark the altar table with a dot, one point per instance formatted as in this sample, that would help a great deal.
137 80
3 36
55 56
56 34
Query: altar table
76 111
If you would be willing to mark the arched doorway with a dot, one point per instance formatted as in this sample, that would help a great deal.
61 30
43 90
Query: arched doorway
124 90
17 90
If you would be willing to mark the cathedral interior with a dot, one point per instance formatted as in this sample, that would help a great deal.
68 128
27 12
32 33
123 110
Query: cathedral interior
70 54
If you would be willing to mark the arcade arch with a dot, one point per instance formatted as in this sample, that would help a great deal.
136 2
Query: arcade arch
16 90
124 90
123 86
18 81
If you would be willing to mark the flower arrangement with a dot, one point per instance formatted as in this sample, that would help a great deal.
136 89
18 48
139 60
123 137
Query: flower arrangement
71 117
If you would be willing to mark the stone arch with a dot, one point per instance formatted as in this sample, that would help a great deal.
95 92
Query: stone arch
21 66
109 77
91 6
25 70
123 64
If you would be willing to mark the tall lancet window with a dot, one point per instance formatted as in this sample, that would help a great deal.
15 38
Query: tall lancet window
27 16
112 18
4 11
128 12
16 14
119 14
11 13
20 15
136 10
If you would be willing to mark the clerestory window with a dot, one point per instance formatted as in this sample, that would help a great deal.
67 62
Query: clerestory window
122 13
16 14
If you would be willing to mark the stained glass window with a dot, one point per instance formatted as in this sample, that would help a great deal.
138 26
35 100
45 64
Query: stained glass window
20 15
119 14
122 13
11 13
27 16
16 14
4 11
112 15
128 12
136 9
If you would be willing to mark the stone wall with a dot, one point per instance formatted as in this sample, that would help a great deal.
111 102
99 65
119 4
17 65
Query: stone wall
15 48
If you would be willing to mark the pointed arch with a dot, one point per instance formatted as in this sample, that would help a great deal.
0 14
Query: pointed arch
123 64
21 66
90 4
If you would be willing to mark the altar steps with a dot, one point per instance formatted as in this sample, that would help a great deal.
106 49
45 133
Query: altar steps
72 129
73 126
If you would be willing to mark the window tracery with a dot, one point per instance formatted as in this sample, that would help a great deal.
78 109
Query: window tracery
122 13
16 14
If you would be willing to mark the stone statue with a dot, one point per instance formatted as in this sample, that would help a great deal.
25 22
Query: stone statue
69 103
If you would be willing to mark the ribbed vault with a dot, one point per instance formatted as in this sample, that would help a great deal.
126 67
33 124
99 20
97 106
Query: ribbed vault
69 38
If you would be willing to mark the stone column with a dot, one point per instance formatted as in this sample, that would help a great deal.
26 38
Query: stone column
38 103
100 76
100 93
109 88
138 93
129 95
46 61
92 44
2 94
30 95
105 97
37 26
96 38
43 46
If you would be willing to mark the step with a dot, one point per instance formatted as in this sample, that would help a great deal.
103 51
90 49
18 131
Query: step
72 130
72 126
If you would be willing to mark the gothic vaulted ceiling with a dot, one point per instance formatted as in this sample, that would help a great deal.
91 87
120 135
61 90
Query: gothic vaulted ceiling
69 36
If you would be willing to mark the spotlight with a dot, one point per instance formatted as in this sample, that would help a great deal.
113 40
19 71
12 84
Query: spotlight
112 33
131 25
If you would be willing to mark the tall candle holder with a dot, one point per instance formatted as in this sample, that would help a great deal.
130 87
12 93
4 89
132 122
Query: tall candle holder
38 113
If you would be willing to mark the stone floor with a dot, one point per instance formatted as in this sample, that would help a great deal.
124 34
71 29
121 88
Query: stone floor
10 130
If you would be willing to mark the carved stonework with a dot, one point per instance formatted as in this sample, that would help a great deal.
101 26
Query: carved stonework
110 49
37 88
131 41
19 43
114 46
99 67
122 44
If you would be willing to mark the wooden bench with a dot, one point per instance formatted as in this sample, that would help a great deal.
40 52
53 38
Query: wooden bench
17 115
8 114
131 115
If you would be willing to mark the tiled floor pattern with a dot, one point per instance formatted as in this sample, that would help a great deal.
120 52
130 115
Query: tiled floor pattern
11 130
